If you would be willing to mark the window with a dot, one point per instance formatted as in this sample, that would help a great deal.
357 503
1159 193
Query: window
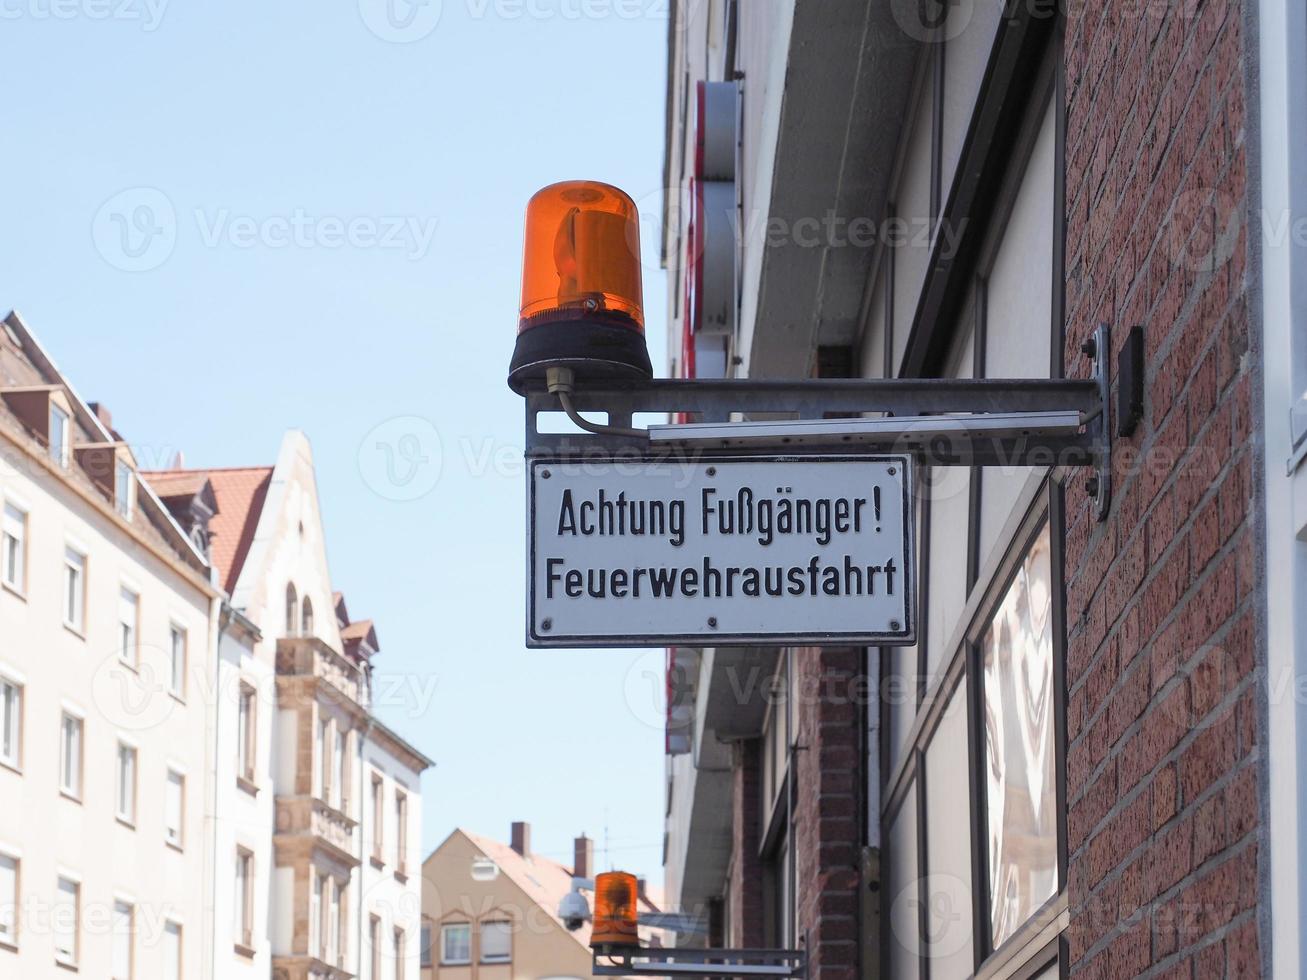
8 900
70 756
177 661
74 589
172 951
292 609
336 924
122 928
496 941
244 898
401 831
342 771
378 815
245 722
455 944
65 921
1017 671
13 551
126 784
315 916
58 435
399 954
324 759
374 945
306 618
129 612
424 948
123 489
11 723
174 808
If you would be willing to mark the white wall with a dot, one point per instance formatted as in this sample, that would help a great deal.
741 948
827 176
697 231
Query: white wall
240 818
60 669
397 903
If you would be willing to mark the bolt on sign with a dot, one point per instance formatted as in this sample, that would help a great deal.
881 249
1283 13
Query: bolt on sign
720 552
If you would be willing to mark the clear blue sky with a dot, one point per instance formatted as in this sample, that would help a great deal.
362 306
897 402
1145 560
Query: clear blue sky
218 307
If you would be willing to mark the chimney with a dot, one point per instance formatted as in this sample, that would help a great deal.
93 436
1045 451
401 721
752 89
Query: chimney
583 865
102 414
522 837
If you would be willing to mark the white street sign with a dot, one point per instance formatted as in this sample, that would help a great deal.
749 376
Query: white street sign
720 552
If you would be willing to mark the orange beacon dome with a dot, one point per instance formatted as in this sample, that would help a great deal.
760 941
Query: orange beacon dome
582 305
616 912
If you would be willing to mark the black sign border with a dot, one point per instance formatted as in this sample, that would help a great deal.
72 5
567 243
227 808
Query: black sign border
905 637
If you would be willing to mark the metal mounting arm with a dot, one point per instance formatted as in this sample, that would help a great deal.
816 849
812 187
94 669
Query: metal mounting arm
632 961
940 421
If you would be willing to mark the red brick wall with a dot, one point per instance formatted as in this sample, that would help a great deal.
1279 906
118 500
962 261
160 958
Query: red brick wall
1163 759
746 884
826 808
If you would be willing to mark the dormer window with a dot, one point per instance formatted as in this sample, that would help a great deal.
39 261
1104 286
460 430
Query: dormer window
58 435
124 489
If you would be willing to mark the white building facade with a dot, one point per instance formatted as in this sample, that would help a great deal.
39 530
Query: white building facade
105 649
191 778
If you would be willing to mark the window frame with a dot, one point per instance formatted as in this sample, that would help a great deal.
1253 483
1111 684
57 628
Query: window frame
494 920
75 568
13 569
11 726
245 895
445 929
58 450
129 647
179 929
11 940
72 781
126 770
374 945
74 957
179 840
247 724
177 677
131 939
378 818
401 831
941 303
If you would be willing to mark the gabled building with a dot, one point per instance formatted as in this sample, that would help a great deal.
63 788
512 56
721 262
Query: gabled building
106 662
319 803
490 910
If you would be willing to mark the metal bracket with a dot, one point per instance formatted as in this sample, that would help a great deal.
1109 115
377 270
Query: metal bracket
940 421
635 961
1099 347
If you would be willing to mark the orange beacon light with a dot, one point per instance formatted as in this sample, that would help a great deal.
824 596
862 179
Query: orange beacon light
615 910
582 306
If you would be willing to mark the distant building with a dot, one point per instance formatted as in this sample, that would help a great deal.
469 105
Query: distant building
490 910
105 662
192 783
306 774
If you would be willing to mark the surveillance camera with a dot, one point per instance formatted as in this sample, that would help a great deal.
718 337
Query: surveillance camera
574 910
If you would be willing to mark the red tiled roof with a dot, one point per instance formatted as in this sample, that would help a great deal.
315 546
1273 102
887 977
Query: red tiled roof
240 492
544 880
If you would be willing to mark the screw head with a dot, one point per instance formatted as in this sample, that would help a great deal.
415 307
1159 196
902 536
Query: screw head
712 471
895 625
1090 347
545 474
1091 485
712 622
546 625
